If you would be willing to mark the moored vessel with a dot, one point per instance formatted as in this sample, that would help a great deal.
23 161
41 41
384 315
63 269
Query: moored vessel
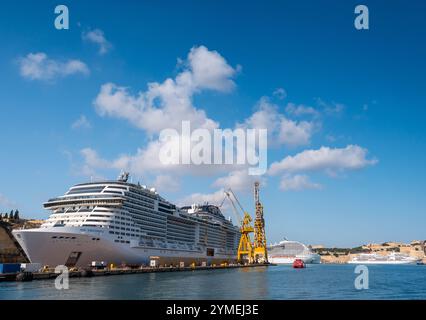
124 223
286 252
374 258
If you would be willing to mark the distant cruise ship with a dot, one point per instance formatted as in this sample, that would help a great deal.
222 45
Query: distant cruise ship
374 258
286 251
121 222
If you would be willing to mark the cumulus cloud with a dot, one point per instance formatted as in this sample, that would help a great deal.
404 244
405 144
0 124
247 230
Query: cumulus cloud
297 182
330 160
280 93
81 123
201 198
93 162
38 66
281 130
146 161
97 37
167 104
330 108
237 180
210 70
166 183
300 110
174 107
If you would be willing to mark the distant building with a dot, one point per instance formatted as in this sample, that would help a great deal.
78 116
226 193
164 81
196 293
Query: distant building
415 248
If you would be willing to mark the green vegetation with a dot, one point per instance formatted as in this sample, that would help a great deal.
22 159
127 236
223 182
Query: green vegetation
11 216
340 251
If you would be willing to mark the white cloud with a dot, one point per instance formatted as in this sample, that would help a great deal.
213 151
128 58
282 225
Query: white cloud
167 104
38 66
280 93
331 108
166 183
294 133
300 110
330 160
201 198
297 183
146 161
81 123
210 70
281 130
97 37
92 160
238 180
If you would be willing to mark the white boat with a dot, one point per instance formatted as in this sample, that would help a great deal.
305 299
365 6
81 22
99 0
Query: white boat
286 251
374 258
125 223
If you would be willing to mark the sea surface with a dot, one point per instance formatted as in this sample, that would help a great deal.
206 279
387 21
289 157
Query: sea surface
275 282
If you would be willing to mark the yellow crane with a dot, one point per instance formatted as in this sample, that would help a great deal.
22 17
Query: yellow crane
260 254
245 247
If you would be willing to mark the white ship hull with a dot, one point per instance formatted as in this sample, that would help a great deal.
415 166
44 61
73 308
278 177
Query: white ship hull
124 223
392 258
286 251
307 259
97 245
383 262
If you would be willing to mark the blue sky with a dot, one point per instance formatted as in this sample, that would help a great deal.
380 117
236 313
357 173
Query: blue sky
343 87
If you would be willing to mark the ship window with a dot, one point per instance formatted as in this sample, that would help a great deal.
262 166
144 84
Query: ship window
85 190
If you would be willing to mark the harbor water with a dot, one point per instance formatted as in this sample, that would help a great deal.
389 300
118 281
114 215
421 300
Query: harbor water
275 282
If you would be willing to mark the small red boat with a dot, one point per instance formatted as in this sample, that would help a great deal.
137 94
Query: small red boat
298 264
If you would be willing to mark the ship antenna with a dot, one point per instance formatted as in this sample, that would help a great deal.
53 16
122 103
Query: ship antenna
124 176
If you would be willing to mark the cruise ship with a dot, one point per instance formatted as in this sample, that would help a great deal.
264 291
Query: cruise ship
374 258
286 251
118 222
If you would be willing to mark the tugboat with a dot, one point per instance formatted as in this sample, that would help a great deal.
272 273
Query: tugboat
298 264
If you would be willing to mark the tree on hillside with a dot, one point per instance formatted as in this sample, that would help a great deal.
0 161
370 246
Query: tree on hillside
1 216
11 215
16 215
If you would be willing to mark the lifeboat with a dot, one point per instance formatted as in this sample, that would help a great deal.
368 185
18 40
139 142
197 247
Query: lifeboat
299 264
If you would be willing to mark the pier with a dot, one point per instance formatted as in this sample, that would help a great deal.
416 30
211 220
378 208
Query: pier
28 276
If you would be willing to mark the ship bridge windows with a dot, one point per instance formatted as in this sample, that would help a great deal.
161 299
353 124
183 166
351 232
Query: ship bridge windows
112 191
86 190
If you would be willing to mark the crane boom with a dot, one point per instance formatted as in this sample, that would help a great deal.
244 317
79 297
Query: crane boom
245 247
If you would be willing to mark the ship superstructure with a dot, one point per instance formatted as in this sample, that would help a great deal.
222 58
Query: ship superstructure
286 251
391 258
121 222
